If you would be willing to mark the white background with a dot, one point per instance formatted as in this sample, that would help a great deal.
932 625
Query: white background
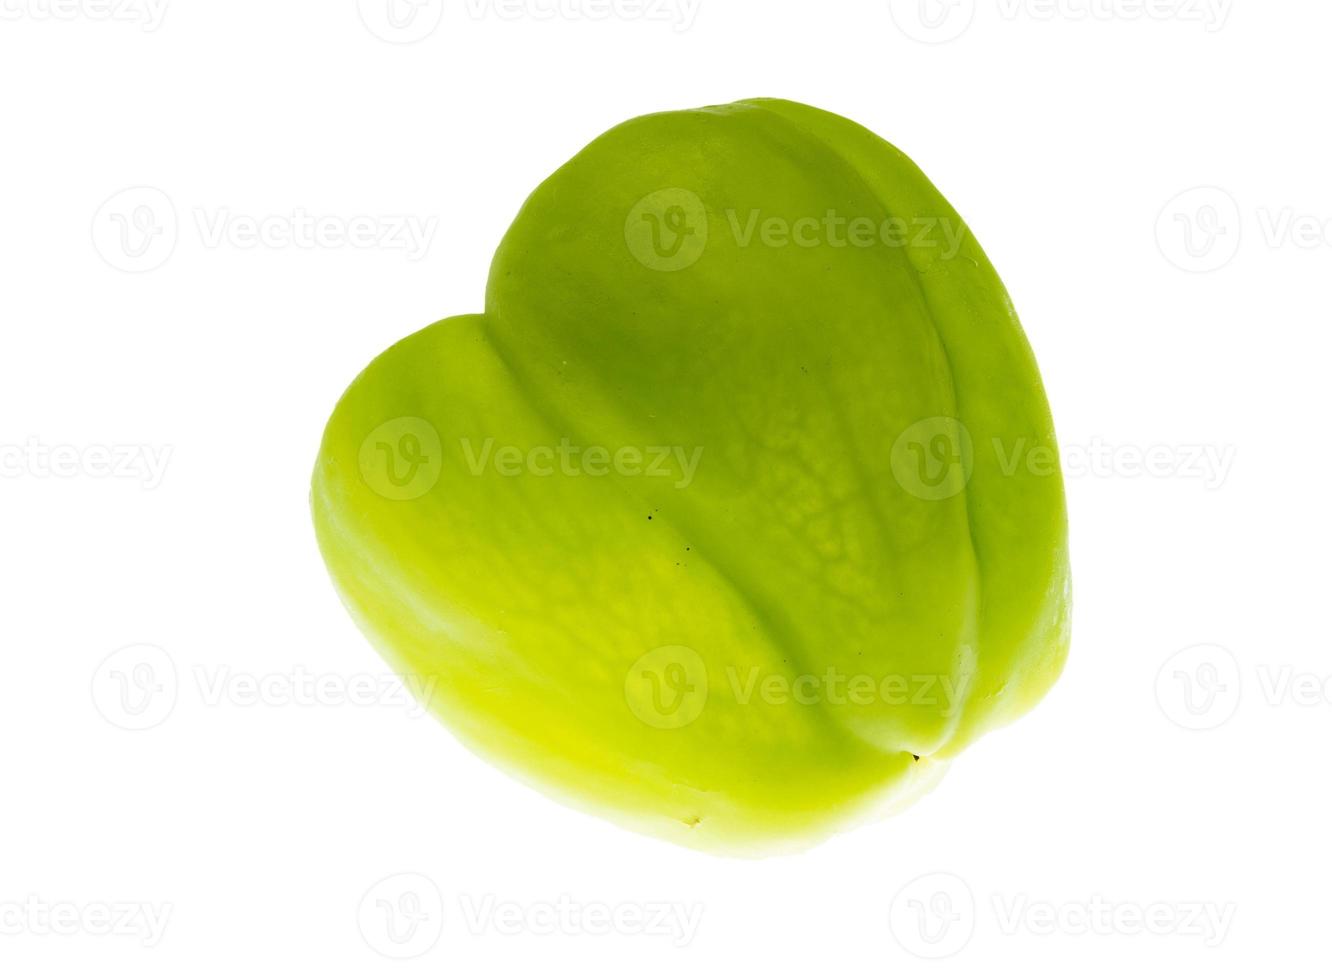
262 833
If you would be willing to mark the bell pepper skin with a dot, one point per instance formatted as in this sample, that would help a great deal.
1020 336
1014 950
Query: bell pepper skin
843 569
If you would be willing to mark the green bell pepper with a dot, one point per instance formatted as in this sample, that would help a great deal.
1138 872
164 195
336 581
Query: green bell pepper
717 522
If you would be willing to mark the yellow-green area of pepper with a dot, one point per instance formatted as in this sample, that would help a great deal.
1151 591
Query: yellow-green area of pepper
715 522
